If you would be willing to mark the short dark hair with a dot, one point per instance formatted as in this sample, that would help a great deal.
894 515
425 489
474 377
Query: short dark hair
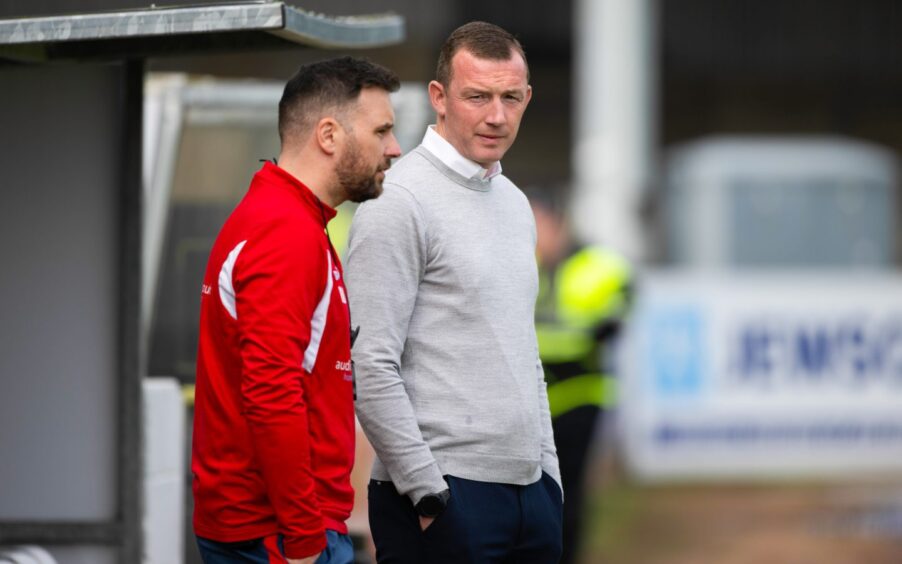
332 83
482 39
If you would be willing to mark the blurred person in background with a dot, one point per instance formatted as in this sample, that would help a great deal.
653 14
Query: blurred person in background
584 294
443 280
274 415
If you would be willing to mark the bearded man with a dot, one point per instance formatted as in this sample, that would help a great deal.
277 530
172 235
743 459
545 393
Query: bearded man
274 415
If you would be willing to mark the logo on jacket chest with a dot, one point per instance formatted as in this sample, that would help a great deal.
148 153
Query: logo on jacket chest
347 367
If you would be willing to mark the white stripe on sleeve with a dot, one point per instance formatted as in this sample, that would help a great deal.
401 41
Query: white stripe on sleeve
226 290
318 323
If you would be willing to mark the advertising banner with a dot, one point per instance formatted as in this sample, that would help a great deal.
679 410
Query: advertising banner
763 375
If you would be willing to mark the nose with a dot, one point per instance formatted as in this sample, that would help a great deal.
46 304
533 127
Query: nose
392 149
496 115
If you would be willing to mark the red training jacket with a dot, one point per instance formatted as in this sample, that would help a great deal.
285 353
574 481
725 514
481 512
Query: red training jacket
274 414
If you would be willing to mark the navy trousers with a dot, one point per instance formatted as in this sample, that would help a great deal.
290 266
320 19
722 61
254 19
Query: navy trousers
483 523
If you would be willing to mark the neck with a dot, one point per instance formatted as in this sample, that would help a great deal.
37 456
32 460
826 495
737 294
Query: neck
318 179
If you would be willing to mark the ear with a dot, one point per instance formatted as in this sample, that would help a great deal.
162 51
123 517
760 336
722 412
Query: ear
528 96
327 133
437 97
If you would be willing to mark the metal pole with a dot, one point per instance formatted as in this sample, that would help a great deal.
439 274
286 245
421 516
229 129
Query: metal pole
132 352
615 120
163 129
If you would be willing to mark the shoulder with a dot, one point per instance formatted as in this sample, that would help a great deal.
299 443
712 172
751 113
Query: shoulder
393 216
411 170
507 186
515 197
289 221
282 233
395 199
406 186
592 261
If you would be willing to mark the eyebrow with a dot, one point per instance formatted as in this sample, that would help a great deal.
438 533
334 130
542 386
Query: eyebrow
478 90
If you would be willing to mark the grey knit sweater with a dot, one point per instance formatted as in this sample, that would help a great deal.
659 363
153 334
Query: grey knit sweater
442 280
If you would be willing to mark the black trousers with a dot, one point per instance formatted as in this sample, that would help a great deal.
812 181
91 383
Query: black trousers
483 523
573 432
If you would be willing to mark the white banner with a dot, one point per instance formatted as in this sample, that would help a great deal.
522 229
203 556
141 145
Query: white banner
763 375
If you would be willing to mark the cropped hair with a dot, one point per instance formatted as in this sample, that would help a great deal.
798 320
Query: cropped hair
483 40
327 85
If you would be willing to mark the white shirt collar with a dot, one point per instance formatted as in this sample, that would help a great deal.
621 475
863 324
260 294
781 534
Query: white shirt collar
445 151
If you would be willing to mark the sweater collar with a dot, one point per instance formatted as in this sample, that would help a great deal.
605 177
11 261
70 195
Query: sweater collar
451 157
480 185
281 177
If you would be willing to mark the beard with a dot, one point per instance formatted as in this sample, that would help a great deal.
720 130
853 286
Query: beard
359 180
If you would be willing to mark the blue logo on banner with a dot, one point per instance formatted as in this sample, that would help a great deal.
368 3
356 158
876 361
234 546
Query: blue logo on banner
676 352
849 352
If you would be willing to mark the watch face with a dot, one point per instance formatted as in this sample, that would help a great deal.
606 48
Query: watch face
430 506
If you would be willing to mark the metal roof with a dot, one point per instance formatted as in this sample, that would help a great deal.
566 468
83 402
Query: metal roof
182 29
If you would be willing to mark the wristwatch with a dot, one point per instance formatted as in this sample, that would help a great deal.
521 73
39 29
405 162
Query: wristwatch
430 505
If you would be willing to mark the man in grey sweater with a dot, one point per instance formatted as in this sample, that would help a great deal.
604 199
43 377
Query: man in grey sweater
442 279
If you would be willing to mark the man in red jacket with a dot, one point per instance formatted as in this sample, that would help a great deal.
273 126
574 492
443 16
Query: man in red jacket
274 416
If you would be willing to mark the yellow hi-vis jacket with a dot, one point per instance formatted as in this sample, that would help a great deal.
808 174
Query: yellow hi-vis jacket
580 306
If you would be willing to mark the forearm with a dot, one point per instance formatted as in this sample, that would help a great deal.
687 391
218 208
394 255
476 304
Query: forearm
386 261
283 451
383 405
275 408
390 423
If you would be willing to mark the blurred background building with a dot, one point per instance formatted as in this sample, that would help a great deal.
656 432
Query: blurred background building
745 156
